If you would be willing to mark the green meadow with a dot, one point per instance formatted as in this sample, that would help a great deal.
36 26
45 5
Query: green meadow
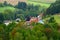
2 9
56 17
37 3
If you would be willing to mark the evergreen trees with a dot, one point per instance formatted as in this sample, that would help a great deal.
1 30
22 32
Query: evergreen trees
21 5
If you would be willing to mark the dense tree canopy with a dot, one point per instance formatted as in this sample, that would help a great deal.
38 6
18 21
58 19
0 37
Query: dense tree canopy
54 8
21 5
1 18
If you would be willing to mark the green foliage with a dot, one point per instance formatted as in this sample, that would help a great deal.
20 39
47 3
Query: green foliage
7 15
22 10
22 31
54 8
51 20
21 5
1 5
5 3
5 31
1 18
46 5
2 9
37 31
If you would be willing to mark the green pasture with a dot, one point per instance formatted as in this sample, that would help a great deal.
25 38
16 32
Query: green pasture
2 9
37 3
56 17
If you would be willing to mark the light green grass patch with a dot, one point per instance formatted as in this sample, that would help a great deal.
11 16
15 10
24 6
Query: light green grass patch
37 3
56 17
6 8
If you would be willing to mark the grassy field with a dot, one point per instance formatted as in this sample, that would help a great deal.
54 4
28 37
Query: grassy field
6 8
37 3
56 17
44 1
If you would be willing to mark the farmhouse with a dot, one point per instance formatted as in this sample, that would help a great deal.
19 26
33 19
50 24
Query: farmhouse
37 19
